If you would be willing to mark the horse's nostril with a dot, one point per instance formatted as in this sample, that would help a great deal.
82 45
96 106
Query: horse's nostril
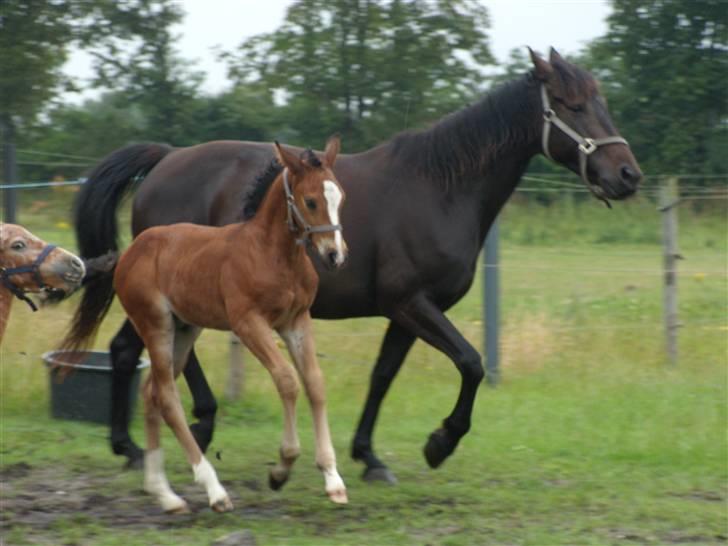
77 264
332 256
629 175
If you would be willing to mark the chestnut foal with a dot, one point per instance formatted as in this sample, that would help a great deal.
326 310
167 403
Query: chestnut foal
251 278
30 265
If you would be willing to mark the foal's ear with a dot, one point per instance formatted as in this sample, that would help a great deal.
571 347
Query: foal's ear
287 158
541 69
332 150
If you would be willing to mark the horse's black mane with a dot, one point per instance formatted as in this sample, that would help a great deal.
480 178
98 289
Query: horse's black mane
467 141
259 189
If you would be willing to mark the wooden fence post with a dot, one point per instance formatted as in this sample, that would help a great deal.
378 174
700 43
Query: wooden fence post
669 199
236 372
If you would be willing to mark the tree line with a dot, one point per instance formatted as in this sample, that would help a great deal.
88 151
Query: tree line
366 69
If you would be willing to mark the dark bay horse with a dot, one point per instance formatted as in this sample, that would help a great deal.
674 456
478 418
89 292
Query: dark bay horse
420 207
252 278
29 265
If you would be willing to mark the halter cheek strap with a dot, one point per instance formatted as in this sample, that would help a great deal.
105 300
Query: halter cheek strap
33 269
295 217
586 146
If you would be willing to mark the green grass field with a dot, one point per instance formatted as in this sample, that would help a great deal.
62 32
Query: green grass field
591 438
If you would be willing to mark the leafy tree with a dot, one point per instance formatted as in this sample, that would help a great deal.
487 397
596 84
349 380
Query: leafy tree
368 68
664 65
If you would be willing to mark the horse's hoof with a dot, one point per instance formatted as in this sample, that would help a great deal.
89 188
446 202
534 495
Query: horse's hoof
133 453
379 474
222 505
338 496
202 434
439 447
180 508
275 483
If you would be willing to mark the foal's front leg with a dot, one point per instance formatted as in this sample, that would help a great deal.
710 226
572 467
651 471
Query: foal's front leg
299 340
255 333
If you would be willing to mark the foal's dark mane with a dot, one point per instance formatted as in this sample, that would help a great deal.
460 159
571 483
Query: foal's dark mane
464 143
253 198
256 194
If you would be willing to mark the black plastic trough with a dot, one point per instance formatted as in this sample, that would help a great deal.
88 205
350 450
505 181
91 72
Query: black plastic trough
84 394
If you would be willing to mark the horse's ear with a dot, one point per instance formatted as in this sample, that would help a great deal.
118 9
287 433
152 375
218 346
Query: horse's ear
554 57
333 145
287 158
541 69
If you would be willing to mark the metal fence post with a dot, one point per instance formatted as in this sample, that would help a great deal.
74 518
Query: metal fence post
669 199
491 303
10 174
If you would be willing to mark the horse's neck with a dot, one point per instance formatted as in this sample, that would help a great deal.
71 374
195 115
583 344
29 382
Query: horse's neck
483 150
6 301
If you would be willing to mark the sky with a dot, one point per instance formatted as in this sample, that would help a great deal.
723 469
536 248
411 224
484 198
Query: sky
566 25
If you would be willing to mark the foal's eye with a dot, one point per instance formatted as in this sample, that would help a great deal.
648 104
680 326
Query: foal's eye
310 204
18 245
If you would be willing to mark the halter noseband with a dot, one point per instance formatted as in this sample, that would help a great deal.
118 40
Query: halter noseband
586 146
295 216
33 269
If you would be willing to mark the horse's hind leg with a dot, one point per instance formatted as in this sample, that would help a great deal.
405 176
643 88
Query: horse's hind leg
205 405
300 343
155 480
157 330
255 333
126 348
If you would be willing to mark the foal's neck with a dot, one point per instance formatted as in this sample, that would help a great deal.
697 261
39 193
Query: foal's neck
271 218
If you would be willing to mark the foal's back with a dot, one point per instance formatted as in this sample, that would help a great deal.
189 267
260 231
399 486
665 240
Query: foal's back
177 269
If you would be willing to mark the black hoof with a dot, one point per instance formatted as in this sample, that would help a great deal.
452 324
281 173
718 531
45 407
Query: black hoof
202 433
379 474
439 447
134 455
275 484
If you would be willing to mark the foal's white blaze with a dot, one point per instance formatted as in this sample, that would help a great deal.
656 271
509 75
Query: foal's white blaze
333 197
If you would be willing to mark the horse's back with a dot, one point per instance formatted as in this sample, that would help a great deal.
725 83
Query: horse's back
203 184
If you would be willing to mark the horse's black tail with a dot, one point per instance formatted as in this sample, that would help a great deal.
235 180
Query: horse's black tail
97 230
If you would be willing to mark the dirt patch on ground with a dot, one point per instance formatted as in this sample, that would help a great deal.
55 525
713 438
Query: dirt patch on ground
36 499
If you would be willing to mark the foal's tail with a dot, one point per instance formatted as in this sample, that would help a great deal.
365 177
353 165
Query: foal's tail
97 230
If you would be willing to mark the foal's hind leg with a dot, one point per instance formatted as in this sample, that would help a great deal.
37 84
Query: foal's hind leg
255 333
156 329
299 339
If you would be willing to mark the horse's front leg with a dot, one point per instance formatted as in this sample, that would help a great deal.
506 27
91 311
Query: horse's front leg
425 320
299 340
255 333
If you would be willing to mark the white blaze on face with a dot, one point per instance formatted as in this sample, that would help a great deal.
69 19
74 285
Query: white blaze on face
333 197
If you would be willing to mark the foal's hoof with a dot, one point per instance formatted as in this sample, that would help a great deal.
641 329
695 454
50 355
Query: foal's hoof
202 434
222 505
178 508
379 474
275 482
439 447
338 496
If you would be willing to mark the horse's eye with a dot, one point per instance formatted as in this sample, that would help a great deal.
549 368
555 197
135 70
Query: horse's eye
310 204
18 245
